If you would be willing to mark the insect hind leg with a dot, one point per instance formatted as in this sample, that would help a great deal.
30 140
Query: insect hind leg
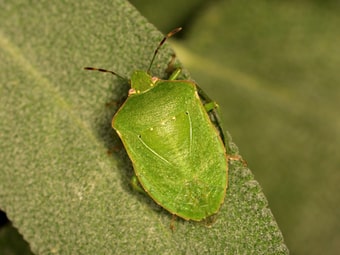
136 184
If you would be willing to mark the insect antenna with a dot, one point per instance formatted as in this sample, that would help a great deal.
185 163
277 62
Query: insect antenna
104 71
161 43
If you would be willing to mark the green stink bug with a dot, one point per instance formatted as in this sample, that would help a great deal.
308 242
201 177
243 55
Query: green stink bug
177 150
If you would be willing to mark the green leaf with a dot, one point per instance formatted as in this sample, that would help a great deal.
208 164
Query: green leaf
58 185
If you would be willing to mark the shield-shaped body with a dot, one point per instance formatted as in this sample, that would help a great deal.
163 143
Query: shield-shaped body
177 153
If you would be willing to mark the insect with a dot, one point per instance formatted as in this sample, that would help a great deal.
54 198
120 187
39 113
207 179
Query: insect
173 137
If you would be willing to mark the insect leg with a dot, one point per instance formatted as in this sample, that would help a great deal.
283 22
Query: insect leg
136 185
175 74
213 111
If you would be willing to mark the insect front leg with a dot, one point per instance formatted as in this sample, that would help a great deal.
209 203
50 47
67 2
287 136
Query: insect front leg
175 74
172 70
172 67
